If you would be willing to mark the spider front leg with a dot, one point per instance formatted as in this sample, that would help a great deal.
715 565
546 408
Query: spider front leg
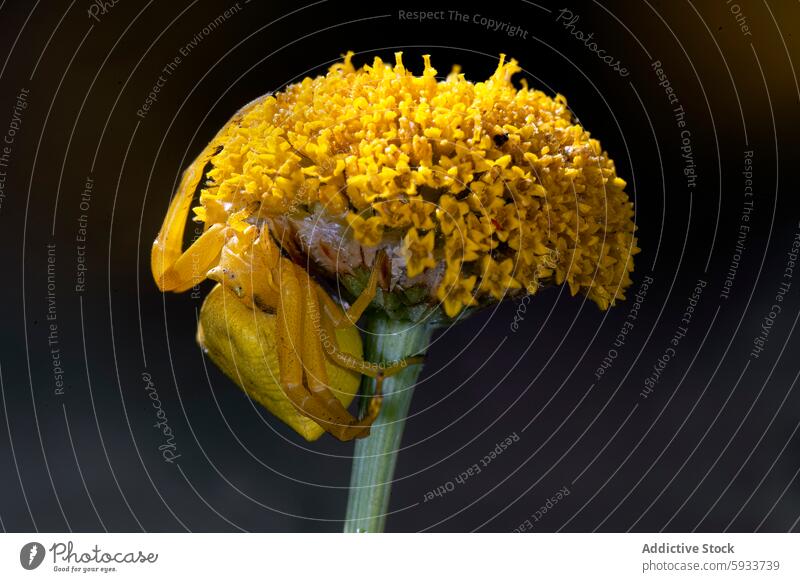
341 319
335 318
298 318
378 370
174 269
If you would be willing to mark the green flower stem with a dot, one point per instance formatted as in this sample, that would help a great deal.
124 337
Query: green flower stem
375 457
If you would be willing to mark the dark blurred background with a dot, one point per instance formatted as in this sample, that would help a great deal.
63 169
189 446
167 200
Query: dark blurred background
714 446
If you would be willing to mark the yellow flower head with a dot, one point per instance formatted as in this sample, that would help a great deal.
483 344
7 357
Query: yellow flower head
475 191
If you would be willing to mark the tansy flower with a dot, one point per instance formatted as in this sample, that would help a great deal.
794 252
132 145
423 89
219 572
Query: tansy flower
464 185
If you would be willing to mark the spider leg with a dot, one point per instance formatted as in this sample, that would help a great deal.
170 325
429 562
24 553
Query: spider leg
342 319
300 327
351 362
314 362
175 269
333 317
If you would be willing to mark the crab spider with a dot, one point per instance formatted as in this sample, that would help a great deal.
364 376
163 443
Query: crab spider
265 321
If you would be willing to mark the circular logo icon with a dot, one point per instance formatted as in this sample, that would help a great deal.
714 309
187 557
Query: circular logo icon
31 555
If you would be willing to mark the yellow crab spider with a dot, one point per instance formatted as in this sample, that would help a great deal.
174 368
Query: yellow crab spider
264 322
